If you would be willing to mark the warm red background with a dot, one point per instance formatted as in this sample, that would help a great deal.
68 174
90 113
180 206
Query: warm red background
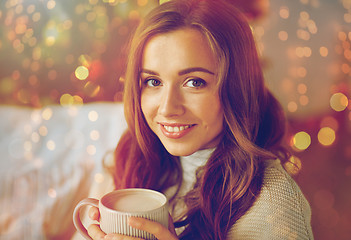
42 43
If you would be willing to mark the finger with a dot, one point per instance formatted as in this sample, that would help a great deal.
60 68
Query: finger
94 213
155 228
95 232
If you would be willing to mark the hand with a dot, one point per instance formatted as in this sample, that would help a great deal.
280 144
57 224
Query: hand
94 230
154 228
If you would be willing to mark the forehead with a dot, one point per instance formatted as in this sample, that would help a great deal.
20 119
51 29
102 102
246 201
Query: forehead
188 45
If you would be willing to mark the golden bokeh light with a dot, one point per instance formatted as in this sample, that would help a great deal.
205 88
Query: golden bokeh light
342 36
303 34
339 102
284 12
82 72
326 136
302 88
7 86
301 141
47 113
142 2
51 145
301 72
43 131
293 166
345 68
51 4
283 35
305 16
304 100
292 107
323 51
68 100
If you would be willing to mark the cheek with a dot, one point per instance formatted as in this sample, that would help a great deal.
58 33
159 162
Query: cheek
212 111
146 107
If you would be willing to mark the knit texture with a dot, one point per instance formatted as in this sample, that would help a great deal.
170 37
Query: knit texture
280 212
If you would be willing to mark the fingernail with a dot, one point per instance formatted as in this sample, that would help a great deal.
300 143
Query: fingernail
134 222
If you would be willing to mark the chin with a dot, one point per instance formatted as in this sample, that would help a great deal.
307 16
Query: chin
180 151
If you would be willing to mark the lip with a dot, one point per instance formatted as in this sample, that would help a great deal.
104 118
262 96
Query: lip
175 135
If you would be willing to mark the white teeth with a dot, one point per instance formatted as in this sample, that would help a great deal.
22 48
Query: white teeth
176 129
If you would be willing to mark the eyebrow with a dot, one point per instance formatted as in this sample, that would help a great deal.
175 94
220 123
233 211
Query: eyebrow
182 72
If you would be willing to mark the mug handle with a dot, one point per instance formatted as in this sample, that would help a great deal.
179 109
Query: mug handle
76 215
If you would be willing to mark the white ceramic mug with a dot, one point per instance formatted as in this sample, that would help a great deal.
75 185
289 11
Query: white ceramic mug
117 206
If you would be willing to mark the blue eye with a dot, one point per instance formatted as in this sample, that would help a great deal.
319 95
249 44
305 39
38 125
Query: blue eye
195 83
152 82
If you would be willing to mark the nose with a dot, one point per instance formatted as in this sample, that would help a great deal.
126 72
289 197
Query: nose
171 103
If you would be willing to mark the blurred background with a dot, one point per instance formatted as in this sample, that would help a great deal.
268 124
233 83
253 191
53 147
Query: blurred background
74 52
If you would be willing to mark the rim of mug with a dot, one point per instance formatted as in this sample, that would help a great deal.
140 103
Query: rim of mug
118 191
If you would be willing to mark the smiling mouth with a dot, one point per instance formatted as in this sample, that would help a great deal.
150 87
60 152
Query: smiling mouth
173 129
176 131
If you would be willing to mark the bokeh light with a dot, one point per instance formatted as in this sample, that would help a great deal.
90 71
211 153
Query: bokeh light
82 72
293 166
47 113
93 116
43 131
52 45
94 135
323 51
326 136
68 100
91 150
283 35
99 177
338 102
51 145
284 12
52 193
301 141
74 52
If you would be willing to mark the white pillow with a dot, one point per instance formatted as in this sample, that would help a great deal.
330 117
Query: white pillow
49 158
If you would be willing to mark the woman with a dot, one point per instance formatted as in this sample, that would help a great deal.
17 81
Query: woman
204 129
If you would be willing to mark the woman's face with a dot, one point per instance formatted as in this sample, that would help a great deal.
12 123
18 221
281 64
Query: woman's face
179 96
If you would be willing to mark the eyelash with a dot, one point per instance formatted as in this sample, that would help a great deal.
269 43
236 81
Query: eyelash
150 82
199 80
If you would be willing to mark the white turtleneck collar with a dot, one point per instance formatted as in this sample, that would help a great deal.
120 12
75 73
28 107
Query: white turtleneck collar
190 164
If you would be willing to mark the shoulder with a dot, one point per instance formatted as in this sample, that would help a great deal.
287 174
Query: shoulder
280 212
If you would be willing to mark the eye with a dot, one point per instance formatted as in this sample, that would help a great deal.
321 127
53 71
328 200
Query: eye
195 83
151 82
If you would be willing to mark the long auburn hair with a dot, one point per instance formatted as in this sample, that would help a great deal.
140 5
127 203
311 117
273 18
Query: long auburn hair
254 123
